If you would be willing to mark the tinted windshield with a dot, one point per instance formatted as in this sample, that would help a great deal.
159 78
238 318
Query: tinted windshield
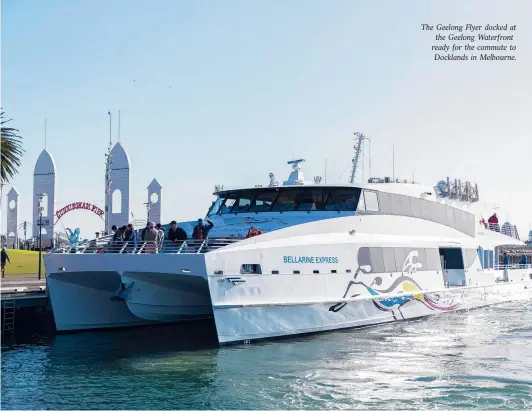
280 199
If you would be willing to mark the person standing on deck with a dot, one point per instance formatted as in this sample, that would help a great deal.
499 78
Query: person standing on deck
201 231
160 230
493 222
523 260
151 235
4 258
176 235
143 231
130 238
506 263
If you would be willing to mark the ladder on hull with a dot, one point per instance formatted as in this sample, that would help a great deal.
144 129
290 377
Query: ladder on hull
8 320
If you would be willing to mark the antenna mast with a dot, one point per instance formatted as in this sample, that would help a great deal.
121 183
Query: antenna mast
45 133
356 155
108 163
393 161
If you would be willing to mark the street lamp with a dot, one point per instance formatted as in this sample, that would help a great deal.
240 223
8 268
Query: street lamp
148 205
41 209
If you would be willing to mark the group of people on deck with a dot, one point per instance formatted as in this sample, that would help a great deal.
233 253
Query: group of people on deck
151 238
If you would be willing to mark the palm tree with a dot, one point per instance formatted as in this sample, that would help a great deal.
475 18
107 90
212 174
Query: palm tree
11 151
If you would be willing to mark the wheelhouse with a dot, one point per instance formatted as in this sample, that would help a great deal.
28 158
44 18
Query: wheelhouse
288 199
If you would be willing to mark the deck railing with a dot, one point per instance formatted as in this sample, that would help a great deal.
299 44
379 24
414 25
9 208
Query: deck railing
108 245
506 229
512 266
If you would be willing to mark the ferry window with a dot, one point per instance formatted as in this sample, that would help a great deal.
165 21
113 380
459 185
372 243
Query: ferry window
237 202
465 221
250 269
384 203
421 259
311 200
403 202
376 258
306 202
389 260
481 256
440 214
486 259
491 258
228 205
361 204
263 201
470 255
404 265
426 210
372 203
241 206
215 207
450 217
415 205
343 199
395 207
433 259
286 201
400 257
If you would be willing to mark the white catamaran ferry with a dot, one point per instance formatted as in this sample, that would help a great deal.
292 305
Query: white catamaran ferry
328 257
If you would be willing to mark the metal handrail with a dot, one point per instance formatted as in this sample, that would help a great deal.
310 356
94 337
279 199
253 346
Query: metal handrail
106 245
511 266
509 230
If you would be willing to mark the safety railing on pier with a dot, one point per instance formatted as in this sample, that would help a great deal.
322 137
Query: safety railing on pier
109 245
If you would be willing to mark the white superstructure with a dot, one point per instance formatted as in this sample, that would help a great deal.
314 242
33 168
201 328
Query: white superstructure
329 257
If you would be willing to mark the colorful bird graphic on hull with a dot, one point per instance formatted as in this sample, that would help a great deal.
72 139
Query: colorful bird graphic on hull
404 284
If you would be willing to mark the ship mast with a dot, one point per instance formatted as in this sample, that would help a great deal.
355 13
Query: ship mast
356 154
108 163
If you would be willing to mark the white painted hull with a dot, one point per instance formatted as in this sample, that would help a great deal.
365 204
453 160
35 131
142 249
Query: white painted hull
167 297
247 323
83 289
83 301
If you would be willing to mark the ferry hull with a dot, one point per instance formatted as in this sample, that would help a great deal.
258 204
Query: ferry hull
92 291
246 323
167 297
84 301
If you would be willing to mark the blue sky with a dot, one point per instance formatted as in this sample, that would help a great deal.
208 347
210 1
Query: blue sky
223 92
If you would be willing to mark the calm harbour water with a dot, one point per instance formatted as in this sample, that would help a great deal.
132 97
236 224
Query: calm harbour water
477 359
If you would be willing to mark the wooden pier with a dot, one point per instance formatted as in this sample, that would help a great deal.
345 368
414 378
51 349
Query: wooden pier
25 306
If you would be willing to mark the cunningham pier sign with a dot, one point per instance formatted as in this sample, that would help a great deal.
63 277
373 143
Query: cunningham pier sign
79 206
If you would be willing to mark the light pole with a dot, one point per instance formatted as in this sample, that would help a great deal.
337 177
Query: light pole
41 209
148 212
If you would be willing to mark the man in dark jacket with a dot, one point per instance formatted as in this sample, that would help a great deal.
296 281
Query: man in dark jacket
176 235
130 237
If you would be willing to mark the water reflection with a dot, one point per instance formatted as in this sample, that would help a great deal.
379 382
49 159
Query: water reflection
475 359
